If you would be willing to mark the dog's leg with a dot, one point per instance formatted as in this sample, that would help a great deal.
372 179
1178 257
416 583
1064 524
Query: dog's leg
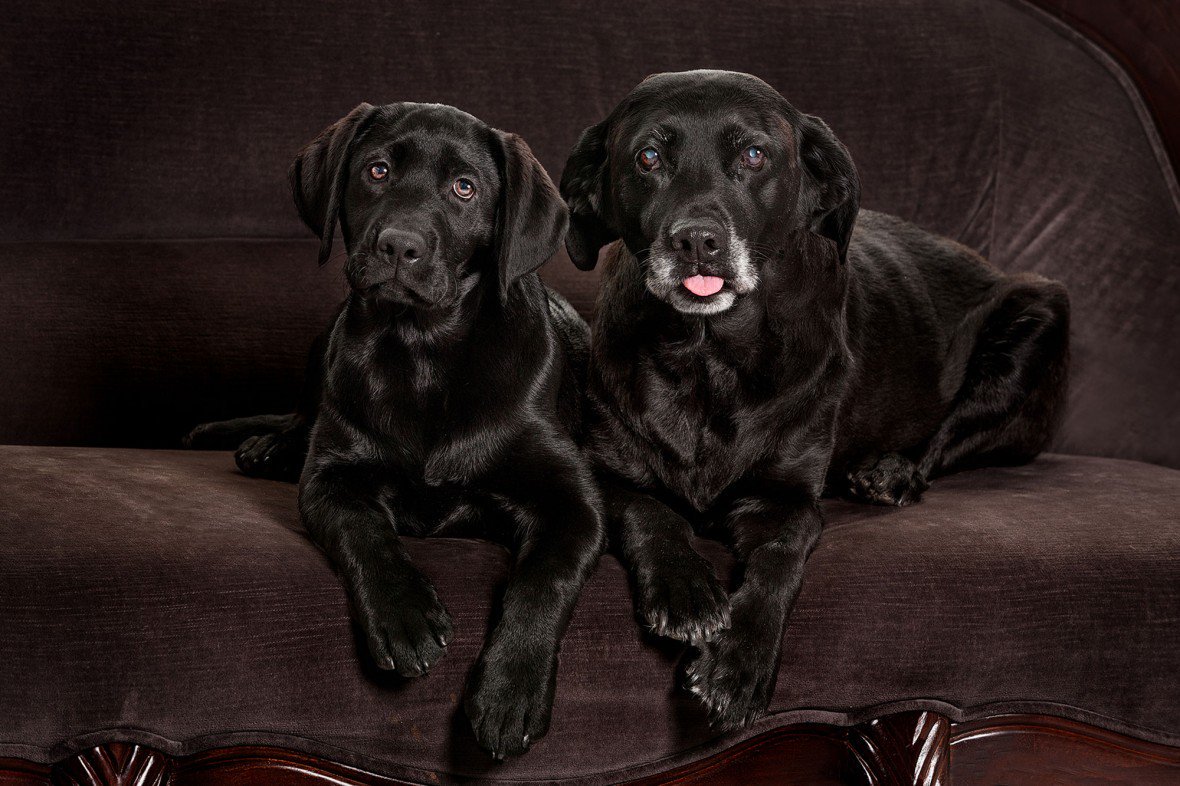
885 479
734 674
228 434
280 454
348 511
560 534
1014 385
1007 404
260 435
677 594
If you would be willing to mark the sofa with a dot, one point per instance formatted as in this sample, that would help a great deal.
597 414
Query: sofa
163 619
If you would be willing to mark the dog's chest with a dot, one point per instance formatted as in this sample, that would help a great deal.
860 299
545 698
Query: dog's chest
402 402
698 422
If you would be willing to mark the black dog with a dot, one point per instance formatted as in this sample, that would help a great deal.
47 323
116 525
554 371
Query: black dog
448 395
750 348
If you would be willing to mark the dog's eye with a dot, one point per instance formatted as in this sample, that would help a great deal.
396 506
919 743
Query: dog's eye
378 171
463 188
649 159
753 157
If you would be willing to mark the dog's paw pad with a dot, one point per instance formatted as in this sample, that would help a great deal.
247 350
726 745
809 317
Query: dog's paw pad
889 479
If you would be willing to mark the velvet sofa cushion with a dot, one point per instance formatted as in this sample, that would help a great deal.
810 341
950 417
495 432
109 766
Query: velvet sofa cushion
160 597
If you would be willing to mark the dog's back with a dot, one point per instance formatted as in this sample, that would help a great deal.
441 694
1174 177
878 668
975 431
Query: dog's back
917 303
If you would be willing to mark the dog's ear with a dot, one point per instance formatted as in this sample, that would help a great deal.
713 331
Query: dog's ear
531 218
318 176
831 187
583 185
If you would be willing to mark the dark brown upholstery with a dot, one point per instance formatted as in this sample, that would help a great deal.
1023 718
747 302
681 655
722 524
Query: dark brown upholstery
987 121
162 598
153 274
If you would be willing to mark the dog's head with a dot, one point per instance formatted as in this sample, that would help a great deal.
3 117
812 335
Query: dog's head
706 175
426 197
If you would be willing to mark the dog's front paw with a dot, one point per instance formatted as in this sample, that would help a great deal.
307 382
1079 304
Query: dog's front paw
889 479
509 701
405 624
733 678
681 599
277 456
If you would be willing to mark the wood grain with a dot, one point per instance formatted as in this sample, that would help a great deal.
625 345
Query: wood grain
1022 750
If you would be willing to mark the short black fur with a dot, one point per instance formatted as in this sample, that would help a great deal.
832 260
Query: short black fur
444 399
844 350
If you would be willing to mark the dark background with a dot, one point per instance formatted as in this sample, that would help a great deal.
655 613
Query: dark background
153 272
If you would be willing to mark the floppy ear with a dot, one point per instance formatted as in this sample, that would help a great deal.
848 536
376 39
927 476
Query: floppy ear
583 183
318 176
531 218
830 183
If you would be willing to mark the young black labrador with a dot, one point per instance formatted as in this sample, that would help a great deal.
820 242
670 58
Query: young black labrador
445 397
751 348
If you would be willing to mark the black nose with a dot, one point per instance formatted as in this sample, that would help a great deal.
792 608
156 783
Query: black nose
398 245
698 241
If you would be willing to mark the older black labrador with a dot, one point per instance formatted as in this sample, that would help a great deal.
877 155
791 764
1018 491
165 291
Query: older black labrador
751 348
448 397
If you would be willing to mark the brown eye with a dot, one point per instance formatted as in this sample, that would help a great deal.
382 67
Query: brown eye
753 158
378 171
648 159
464 188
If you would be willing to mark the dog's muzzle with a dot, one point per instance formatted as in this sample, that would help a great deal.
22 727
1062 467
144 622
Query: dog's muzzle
702 269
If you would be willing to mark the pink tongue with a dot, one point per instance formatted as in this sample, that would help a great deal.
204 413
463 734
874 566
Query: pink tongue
703 286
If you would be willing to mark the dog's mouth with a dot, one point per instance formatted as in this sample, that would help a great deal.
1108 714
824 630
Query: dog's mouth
703 286
701 295
396 289
398 292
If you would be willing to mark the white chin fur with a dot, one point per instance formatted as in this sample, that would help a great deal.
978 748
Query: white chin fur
661 281
703 306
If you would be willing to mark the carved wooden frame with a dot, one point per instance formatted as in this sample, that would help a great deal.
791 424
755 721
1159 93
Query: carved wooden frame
919 748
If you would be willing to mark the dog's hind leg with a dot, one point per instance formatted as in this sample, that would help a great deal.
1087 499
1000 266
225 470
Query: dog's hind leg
1014 384
885 479
270 446
280 455
229 434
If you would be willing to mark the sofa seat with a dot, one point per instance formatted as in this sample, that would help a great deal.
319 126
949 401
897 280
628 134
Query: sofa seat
162 598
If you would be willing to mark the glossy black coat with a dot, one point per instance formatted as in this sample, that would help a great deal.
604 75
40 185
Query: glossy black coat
445 398
848 351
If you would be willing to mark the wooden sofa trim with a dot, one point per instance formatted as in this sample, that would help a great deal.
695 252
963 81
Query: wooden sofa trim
907 748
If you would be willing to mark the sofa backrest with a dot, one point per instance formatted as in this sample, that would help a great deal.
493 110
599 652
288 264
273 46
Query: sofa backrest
153 271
